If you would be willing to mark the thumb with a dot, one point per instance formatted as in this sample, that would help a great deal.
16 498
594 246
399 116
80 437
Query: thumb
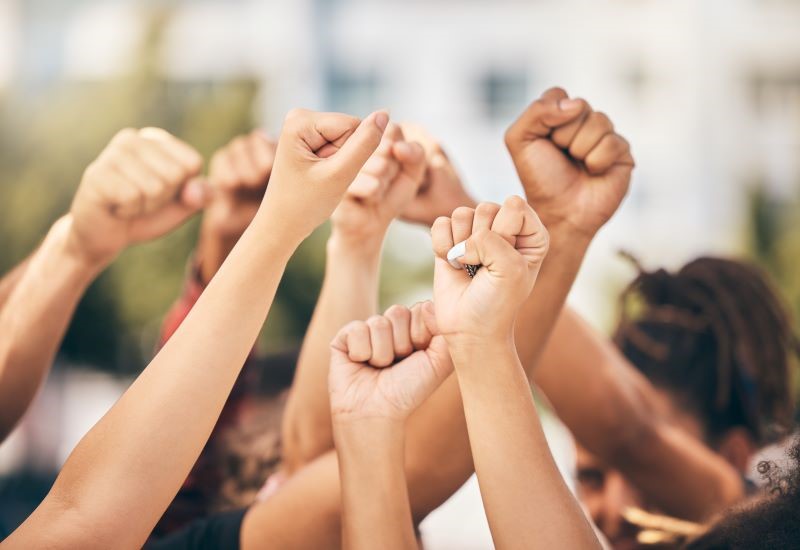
353 154
195 193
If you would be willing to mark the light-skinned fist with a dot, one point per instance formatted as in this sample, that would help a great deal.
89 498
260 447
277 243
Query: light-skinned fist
238 175
509 242
387 366
574 166
441 190
383 188
142 186
317 158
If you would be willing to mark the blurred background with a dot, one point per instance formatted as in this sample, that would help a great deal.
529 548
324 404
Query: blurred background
707 91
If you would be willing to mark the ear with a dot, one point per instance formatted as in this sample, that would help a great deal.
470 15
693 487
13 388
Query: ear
737 447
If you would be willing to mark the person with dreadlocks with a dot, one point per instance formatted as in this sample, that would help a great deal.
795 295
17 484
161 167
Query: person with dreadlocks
703 354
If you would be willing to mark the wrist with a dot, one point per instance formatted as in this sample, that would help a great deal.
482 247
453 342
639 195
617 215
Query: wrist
467 350
362 438
356 244
80 260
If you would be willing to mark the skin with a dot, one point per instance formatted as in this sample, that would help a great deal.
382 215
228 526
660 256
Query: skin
139 188
124 473
385 186
381 370
527 503
438 454
237 179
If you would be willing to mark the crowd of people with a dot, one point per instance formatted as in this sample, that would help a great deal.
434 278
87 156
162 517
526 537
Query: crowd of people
389 414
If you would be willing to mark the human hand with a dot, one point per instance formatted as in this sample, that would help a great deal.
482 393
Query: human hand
142 186
238 176
386 184
317 158
386 367
509 242
441 191
574 167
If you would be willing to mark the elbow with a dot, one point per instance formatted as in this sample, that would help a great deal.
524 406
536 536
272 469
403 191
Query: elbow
302 442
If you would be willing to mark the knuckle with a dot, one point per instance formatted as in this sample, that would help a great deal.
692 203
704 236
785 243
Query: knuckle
600 118
463 212
515 203
295 114
125 135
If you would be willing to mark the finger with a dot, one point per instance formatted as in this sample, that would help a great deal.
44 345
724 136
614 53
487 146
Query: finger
154 192
357 148
442 236
428 314
406 184
611 149
563 135
357 342
538 120
596 126
262 151
400 319
462 220
221 173
195 194
373 180
515 218
490 250
485 213
382 341
183 153
124 197
244 164
158 161
420 333
166 219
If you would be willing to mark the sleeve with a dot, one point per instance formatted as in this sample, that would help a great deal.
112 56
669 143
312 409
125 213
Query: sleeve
214 532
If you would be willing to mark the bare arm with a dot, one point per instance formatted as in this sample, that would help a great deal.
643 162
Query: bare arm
9 281
35 316
124 473
386 184
608 405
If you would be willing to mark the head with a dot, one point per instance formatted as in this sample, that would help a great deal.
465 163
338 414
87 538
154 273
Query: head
716 341
763 524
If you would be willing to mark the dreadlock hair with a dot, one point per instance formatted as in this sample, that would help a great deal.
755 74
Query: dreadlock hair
766 524
718 338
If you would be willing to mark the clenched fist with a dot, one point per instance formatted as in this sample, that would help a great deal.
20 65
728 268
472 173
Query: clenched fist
318 157
139 188
387 366
574 167
238 175
384 187
509 244
441 191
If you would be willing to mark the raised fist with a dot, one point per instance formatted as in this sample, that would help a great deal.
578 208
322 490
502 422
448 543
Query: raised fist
237 177
574 167
508 243
318 157
140 187
386 366
441 191
384 187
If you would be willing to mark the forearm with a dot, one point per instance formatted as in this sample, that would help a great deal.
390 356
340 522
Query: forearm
375 507
9 281
35 317
539 312
117 478
527 503
213 248
610 408
349 292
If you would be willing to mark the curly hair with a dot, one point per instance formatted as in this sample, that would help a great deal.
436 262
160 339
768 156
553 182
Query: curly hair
717 336
767 524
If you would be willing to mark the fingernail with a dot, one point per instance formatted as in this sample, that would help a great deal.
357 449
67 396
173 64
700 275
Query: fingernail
382 120
458 251
569 104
